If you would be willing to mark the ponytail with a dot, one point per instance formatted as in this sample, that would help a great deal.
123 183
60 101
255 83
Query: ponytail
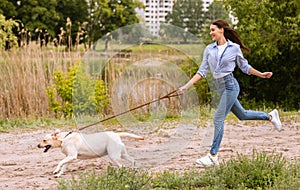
231 34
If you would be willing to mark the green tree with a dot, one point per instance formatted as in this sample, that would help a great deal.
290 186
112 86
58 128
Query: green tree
8 8
99 16
76 10
271 29
109 15
216 11
7 37
37 14
187 14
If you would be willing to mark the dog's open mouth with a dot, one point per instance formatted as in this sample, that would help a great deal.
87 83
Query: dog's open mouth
47 148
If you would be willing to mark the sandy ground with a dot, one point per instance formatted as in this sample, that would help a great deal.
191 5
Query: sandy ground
24 166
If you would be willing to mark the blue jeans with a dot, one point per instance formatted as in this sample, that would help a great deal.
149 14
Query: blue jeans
228 89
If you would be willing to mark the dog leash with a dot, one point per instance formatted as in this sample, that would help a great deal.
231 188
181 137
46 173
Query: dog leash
169 95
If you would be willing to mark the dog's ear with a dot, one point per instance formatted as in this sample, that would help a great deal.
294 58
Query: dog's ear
56 132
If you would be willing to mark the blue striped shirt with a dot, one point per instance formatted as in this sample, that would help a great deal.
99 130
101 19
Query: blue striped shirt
231 56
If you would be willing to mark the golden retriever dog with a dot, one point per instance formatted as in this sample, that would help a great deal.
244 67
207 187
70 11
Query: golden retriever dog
77 145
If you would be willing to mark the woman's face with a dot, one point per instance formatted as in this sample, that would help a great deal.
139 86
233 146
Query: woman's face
216 33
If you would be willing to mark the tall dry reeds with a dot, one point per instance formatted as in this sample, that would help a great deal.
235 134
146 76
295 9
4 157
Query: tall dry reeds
142 76
25 74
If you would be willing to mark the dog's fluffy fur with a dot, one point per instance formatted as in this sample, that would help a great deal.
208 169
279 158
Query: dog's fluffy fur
85 146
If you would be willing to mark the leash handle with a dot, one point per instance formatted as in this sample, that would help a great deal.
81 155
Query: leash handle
113 116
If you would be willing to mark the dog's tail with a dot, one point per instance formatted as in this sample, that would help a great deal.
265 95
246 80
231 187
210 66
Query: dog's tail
125 134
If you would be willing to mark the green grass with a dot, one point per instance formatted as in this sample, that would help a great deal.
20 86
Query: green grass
8 125
204 113
261 171
191 49
125 178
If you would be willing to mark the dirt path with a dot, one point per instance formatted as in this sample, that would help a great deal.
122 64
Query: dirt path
24 166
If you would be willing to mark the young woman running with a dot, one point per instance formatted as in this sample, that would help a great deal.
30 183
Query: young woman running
220 58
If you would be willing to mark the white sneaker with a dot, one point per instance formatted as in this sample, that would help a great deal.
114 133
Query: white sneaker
208 160
275 119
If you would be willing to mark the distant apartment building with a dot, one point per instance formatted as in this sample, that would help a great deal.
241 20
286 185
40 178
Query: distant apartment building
206 4
155 12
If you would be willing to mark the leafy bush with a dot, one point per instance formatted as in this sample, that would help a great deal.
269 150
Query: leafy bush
262 171
7 37
175 180
259 172
75 92
114 179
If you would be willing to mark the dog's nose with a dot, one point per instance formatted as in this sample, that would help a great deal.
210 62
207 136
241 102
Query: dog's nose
39 146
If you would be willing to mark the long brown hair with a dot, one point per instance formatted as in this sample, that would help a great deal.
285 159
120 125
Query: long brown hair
230 34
